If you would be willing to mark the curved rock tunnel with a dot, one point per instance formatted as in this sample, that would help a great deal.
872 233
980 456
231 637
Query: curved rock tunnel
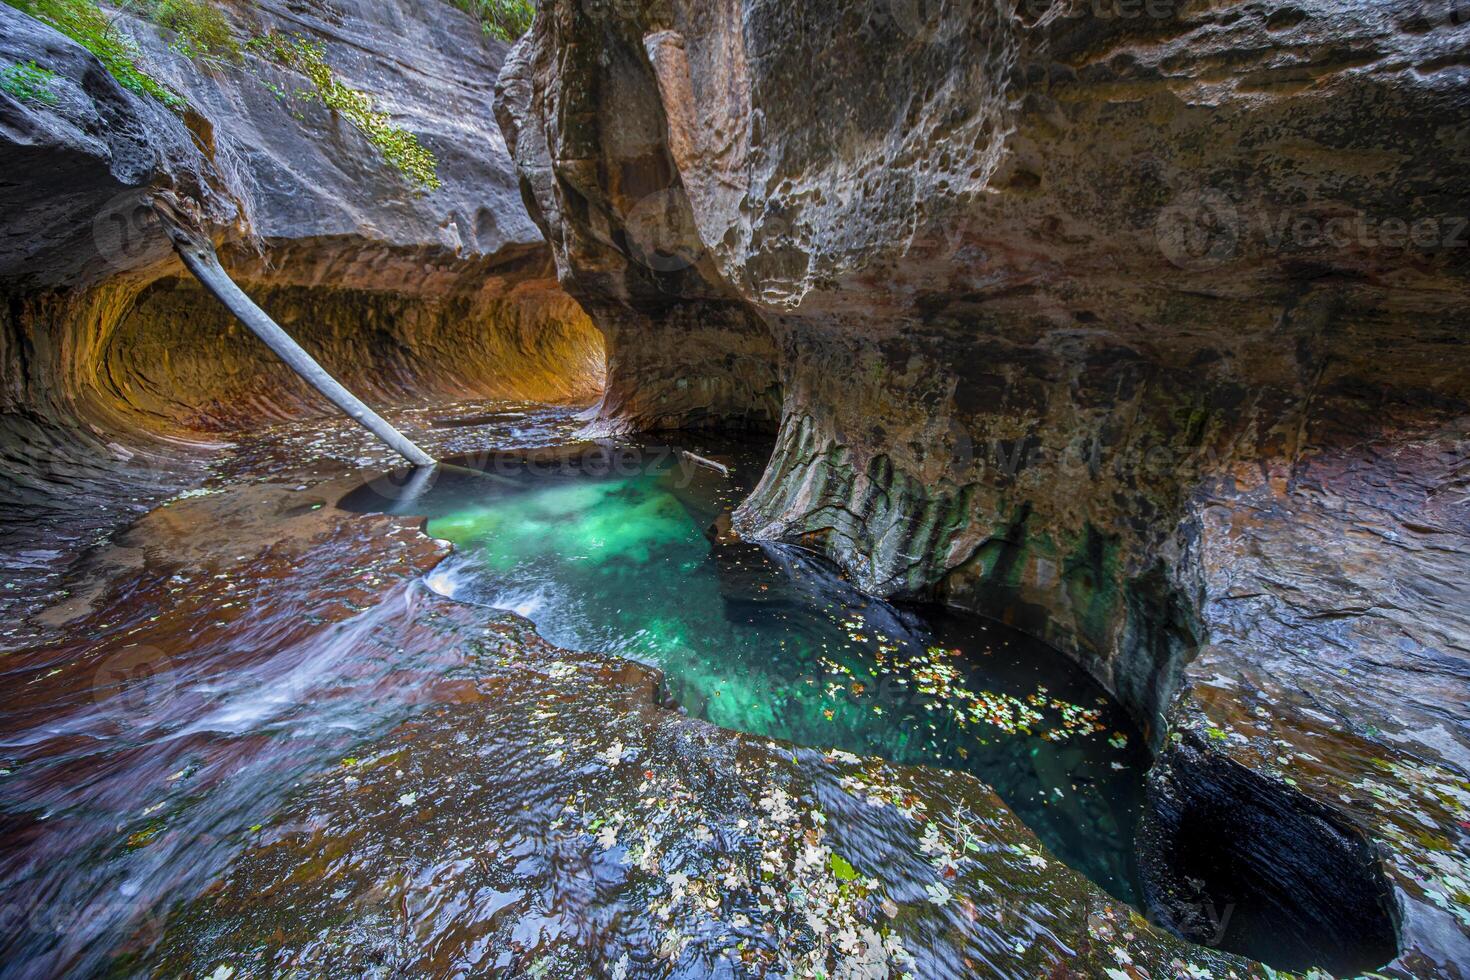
1176 471
121 374
177 360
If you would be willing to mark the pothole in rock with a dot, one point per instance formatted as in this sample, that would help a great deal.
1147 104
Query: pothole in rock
618 549
1241 863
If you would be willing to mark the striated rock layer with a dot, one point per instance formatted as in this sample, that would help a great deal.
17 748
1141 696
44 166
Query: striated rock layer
1140 326
117 366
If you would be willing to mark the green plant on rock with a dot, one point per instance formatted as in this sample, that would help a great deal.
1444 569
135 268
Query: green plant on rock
400 148
201 30
503 19
88 25
29 82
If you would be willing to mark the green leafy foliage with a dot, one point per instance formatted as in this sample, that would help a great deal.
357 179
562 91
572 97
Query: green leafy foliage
86 23
841 869
29 82
503 19
400 148
201 31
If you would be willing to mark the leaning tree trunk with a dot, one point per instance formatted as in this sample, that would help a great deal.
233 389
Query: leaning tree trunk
200 259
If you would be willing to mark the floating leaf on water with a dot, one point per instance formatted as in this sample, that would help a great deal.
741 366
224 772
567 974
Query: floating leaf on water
938 892
143 838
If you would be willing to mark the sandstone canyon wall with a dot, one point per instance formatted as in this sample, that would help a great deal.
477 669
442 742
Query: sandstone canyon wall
1141 326
116 364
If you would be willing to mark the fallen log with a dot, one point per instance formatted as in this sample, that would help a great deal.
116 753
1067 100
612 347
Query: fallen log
720 468
200 259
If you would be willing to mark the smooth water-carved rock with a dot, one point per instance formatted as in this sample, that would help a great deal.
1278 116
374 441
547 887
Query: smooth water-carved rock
1230 857
119 371
1124 324
683 349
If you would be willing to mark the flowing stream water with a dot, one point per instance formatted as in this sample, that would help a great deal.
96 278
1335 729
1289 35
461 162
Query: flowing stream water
619 550
244 641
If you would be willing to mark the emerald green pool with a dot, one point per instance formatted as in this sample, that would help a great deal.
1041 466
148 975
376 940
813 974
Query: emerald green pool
614 550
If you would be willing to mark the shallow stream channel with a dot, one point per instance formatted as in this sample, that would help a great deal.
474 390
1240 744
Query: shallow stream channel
625 550
541 712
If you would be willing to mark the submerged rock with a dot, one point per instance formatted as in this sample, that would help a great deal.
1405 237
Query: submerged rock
1141 329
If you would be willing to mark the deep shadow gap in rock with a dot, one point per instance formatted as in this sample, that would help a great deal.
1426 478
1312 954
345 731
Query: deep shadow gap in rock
1232 861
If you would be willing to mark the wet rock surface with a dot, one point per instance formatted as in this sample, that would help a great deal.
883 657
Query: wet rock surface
1234 862
1142 332
1336 663
502 806
330 770
698 852
1083 319
122 376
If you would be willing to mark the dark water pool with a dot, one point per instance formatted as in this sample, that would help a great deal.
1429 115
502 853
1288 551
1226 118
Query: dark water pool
620 550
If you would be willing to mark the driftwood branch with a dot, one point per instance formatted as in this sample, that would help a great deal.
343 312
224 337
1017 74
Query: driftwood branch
720 468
